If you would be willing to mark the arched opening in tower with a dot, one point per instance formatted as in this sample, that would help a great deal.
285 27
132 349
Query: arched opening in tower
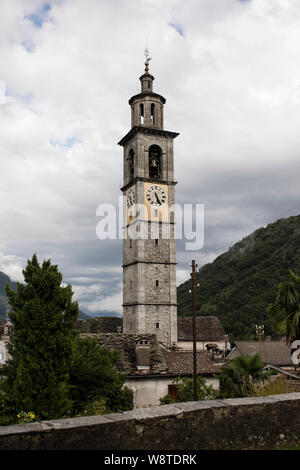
155 161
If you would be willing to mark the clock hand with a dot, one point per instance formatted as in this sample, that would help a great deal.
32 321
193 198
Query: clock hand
157 198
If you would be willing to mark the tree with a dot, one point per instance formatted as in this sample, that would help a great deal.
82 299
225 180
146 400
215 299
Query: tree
95 379
43 316
241 376
285 311
186 389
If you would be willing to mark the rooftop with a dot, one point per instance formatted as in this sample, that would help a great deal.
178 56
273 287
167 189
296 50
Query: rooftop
163 362
276 353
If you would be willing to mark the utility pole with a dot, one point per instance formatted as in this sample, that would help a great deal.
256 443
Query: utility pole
194 286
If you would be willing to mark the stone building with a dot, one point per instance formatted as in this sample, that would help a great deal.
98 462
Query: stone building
5 341
151 369
149 252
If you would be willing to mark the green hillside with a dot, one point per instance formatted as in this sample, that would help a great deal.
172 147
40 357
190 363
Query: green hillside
241 283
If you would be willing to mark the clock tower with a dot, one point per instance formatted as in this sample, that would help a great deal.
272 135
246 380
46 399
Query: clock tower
149 251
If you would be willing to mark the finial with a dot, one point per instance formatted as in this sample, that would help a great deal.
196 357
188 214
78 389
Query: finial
148 58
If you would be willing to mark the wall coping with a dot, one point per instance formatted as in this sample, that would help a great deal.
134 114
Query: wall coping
142 414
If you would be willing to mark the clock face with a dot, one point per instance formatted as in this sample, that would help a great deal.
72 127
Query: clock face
130 197
156 195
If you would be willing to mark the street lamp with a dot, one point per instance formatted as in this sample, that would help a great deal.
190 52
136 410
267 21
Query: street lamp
260 331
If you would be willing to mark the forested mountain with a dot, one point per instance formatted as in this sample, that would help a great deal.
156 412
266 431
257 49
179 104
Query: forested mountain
241 283
4 306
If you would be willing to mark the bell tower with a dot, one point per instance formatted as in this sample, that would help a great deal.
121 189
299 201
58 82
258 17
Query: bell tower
149 251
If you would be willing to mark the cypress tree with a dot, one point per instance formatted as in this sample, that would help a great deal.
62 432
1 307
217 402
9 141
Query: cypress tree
43 316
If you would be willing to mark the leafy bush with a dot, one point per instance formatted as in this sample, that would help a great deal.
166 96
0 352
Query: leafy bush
272 386
166 400
185 391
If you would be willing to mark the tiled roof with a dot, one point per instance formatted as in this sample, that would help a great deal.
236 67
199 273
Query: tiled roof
100 325
181 363
125 344
276 353
208 328
162 361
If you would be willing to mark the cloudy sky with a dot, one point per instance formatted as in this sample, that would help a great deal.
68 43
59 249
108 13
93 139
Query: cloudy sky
230 71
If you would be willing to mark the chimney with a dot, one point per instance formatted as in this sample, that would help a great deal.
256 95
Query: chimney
142 352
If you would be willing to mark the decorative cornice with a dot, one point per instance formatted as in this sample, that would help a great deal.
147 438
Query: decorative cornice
143 303
147 130
148 93
148 262
147 180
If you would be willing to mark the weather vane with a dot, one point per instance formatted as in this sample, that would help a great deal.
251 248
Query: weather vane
148 58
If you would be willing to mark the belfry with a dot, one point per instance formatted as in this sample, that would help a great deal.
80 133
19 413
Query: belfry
149 250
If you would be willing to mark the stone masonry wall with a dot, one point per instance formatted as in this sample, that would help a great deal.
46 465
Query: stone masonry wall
248 423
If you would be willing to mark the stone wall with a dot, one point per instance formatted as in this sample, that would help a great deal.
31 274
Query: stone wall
249 423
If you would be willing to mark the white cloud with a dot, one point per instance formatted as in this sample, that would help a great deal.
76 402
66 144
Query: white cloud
231 80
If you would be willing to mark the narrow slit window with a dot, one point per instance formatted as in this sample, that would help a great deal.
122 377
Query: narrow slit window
131 163
152 113
142 113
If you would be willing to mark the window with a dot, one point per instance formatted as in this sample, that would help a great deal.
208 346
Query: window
131 163
152 113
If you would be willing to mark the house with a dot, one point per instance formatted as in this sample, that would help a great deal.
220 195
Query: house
276 353
5 341
209 333
151 369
